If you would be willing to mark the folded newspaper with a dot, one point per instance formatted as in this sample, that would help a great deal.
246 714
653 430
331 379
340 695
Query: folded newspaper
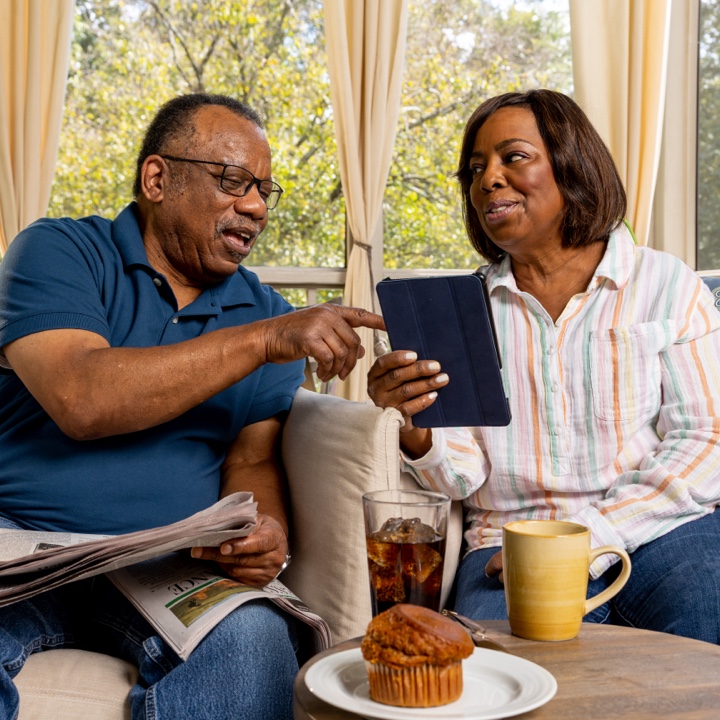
32 561
184 598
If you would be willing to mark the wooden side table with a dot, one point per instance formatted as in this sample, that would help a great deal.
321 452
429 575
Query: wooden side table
606 672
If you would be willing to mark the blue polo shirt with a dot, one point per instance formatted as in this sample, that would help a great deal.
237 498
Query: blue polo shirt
93 274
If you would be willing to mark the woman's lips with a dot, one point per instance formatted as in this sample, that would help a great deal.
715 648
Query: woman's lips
499 210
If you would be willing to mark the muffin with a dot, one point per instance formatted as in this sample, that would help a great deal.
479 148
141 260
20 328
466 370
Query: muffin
414 657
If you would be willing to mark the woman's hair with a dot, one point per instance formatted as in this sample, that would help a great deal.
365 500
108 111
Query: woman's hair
595 200
175 118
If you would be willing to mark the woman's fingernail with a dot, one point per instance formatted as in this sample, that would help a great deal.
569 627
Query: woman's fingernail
432 395
226 549
196 552
433 366
411 356
442 378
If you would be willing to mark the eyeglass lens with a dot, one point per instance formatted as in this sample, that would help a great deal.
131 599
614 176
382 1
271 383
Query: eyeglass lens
239 182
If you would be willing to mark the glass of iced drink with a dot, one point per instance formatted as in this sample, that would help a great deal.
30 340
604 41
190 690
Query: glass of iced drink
405 532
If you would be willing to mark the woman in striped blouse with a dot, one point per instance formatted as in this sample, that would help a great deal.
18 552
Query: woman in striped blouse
611 362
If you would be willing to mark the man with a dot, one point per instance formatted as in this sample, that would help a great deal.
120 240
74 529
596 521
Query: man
147 374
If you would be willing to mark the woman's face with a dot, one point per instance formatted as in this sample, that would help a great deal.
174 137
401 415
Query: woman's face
514 191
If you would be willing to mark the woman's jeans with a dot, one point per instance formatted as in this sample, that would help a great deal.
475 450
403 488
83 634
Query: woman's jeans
674 585
243 669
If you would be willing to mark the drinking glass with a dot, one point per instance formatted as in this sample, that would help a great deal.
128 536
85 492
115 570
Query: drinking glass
405 533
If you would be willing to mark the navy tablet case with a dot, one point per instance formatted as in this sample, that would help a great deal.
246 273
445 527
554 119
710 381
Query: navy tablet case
448 319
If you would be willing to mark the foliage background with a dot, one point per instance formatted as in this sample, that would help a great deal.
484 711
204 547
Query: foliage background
130 56
708 208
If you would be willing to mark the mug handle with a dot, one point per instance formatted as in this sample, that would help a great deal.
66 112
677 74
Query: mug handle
617 586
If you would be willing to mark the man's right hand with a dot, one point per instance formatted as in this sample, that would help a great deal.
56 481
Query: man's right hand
324 332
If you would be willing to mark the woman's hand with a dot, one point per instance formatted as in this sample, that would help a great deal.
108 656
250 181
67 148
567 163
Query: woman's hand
494 567
399 380
253 560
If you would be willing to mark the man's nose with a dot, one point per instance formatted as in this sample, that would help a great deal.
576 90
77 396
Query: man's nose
252 203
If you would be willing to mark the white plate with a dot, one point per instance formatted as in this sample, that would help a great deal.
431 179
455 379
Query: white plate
495 685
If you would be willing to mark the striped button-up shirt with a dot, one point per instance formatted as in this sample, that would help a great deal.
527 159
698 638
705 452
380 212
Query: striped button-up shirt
615 408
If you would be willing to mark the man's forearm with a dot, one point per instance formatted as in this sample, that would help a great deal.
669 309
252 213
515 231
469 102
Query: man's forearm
91 390
269 491
101 391
253 464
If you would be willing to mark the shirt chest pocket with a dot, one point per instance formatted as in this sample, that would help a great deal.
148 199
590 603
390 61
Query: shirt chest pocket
625 373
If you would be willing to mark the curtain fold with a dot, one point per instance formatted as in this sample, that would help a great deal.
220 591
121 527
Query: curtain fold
674 209
365 42
35 38
620 51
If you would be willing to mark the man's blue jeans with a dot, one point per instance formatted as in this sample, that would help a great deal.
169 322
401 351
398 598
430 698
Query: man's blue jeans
674 585
243 669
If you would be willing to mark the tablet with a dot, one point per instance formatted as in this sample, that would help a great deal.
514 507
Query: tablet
448 319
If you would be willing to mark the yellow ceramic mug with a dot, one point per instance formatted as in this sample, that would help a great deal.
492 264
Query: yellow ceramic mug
545 569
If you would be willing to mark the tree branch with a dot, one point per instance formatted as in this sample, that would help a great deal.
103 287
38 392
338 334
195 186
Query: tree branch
174 34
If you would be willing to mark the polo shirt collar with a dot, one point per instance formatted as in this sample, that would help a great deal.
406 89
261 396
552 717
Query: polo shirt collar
128 238
232 291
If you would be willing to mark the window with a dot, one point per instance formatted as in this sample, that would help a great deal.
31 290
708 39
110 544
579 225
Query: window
708 155
458 54
130 56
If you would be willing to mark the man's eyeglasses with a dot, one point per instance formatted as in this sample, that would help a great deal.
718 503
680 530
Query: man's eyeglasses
237 181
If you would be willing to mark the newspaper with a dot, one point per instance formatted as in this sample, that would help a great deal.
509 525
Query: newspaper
32 562
184 598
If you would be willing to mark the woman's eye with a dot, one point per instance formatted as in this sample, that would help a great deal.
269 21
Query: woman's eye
476 170
512 157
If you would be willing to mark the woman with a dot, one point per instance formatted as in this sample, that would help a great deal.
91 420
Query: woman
611 357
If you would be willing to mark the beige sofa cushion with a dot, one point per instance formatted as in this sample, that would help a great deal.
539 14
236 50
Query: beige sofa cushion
334 451
75 685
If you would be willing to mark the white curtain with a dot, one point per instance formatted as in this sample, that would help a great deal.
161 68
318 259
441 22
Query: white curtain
35 37
620 52
366 47
674 212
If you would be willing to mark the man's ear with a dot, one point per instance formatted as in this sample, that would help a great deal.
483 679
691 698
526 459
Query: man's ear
153 176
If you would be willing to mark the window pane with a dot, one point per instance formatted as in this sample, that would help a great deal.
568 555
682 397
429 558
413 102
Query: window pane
708 216
458 54
130 56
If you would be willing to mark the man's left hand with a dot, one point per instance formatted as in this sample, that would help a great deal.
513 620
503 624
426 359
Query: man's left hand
253 560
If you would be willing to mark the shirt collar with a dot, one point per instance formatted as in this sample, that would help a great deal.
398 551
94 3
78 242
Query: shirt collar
616 264
232 291
619 259
127 237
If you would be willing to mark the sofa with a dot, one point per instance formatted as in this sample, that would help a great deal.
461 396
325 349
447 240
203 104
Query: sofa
713 283
334 450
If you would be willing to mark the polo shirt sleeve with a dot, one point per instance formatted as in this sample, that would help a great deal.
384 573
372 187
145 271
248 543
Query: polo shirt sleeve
50 278
278 382
276 390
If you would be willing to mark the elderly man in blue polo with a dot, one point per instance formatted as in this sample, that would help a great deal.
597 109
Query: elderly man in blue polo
145 374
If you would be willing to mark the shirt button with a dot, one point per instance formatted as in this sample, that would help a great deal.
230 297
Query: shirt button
555 388
157 282
550 350
556 431
175 320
